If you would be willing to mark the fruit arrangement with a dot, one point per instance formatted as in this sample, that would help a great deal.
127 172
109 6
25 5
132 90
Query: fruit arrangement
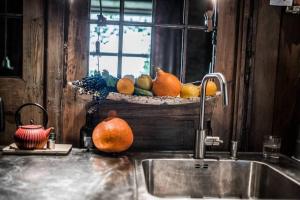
164 84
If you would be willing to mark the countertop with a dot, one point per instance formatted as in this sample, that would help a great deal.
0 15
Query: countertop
79 175
89 175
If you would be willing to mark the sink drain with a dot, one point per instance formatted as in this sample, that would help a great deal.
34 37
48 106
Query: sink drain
201 166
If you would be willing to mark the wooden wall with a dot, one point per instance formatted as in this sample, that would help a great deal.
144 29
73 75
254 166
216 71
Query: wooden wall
67 60
253 50
260 58
265 54
286 114
225 63
258 50
16 91
66 57
55 63
76 68
55 49
155 127
275 77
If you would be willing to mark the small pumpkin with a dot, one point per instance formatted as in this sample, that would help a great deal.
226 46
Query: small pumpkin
144 82
112 134
125 86
130 77
166 84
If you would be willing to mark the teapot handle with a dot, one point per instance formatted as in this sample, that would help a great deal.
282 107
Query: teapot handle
18 116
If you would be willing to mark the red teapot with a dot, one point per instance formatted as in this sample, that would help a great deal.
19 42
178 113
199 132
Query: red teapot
31 136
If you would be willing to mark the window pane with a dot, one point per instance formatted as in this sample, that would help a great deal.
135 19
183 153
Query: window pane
11 63
138 11
135 66
196 12
2 6
137 40
109 36
2 39
169 11
110 63
199 55
110 9
14 6
14 43
167 50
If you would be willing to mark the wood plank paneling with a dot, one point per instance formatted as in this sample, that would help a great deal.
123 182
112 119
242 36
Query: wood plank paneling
77 53
225 63
55 63
155 127
264 72
241 65
29 88
287 99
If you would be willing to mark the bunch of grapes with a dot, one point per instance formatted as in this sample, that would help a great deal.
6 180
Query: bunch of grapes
102 94
95 85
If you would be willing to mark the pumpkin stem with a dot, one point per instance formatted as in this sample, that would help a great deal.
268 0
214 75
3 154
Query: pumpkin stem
158 69
112 114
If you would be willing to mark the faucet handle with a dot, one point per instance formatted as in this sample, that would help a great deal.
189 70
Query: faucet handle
213 141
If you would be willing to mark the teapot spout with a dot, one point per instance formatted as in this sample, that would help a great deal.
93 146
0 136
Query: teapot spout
48 131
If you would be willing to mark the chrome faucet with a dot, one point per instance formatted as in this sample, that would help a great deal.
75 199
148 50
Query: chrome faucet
202 139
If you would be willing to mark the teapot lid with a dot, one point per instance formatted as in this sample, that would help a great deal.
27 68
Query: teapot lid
32 126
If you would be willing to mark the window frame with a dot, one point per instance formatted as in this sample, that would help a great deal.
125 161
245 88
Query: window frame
184 27
11 15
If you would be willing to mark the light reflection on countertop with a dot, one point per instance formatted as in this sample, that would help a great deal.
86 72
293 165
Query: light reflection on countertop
79 175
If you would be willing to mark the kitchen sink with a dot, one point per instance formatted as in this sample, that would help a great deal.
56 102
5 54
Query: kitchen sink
229 179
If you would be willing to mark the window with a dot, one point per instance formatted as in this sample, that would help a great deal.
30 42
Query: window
11 37
139 34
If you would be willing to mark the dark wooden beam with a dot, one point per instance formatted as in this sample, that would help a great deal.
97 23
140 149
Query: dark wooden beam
55 62
77 67
225 63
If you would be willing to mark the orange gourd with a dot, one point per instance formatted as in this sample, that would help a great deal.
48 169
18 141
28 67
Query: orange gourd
125 86
112 134
166 84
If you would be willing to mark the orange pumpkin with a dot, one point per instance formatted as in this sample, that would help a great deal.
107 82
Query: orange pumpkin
112 134
166 84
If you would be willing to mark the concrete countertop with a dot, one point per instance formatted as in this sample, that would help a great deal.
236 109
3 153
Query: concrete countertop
90 175
79 175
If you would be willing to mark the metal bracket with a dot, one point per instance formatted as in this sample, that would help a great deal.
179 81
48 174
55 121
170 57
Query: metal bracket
293 9
212 141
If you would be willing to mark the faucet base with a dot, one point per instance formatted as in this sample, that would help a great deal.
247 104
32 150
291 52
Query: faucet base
200 144
233 150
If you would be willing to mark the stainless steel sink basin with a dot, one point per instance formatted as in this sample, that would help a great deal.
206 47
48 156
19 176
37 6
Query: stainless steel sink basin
190 178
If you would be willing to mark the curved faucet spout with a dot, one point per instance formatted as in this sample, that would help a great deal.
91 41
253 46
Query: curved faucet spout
201 133
223 86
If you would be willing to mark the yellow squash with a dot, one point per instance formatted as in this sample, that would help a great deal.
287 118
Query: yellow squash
189 90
